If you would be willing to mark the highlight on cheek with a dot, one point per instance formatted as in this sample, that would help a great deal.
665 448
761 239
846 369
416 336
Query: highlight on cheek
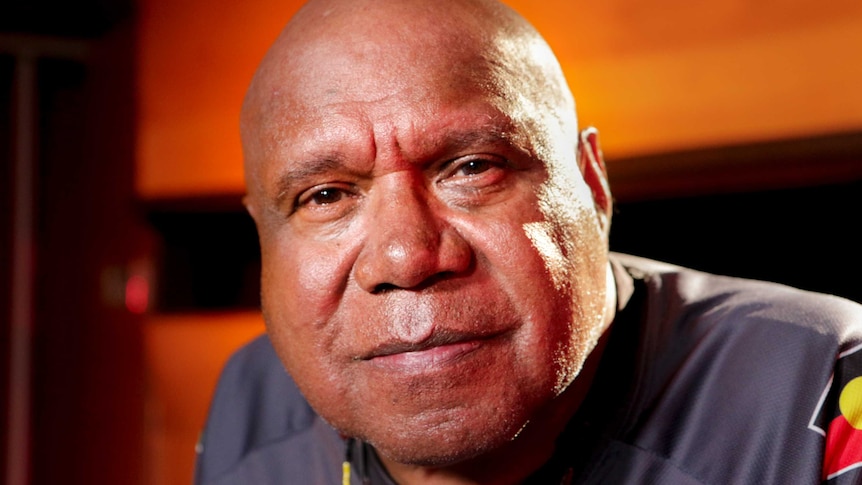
570 355
564 241
540 235
555 238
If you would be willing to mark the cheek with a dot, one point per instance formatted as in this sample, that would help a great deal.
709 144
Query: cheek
303 277
551 265
575 253
505 251
301 285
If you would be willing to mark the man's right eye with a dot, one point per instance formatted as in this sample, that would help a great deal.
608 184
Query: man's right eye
325 202
324 196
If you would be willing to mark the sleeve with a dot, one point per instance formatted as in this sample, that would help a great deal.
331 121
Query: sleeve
255 403
838 417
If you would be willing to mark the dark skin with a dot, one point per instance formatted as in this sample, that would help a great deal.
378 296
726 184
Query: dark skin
434 241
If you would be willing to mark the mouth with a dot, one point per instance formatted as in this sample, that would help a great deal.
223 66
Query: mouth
439 350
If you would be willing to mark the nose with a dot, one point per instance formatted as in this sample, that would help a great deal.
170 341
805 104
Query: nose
408 244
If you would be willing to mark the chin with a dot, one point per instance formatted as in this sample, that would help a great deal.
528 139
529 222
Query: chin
434 454
446 444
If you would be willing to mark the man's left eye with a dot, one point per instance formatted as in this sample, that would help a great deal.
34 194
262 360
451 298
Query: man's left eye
473 177
475 167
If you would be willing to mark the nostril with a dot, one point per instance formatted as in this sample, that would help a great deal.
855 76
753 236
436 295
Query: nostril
383 288
425 283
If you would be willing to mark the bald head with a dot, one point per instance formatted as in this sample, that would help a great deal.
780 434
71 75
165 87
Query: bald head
434 272
379 47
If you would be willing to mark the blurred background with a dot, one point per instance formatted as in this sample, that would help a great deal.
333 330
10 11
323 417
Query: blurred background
732 131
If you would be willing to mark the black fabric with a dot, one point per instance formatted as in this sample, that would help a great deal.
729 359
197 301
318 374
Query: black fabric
704 380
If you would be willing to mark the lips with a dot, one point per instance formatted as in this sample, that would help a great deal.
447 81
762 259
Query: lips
439 350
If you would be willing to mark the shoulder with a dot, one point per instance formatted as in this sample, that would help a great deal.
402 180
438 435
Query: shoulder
743 304
726 363
256 405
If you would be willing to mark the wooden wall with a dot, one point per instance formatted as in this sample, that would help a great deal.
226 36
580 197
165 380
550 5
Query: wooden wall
654 76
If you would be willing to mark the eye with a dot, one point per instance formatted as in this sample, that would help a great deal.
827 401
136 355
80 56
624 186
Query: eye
475 170
325 201
475 179
474 167
324 196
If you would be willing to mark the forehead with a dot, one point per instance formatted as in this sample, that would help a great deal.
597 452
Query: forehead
328 96
365 70
413 122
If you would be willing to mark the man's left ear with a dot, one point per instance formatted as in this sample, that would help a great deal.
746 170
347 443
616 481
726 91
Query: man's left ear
592 165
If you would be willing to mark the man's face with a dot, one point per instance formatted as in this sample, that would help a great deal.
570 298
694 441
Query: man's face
433 266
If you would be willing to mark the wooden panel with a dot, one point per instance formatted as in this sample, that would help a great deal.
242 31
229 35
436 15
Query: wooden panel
184 355
655 76
194 63
751 76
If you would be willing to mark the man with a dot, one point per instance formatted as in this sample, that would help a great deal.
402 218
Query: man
436 282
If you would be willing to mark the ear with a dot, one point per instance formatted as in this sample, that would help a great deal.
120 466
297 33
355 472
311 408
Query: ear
250 206
592 165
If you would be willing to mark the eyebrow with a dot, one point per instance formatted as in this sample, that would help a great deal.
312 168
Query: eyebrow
466 139
299 172
448 143
495 132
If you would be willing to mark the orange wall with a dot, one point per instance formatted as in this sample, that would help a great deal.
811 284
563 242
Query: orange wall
653 76
184 355
671 74
194 62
